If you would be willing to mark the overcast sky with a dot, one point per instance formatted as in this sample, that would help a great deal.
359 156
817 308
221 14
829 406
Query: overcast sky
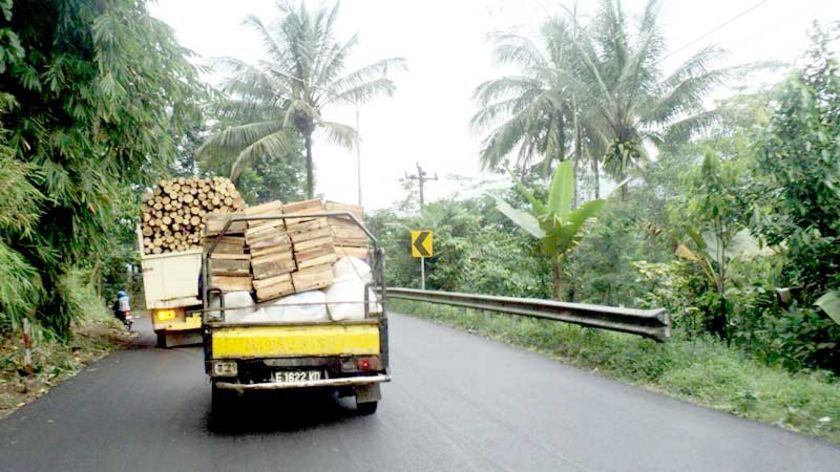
445 44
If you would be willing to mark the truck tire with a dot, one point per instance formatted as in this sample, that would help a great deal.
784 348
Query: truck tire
366 408
161 340
221 402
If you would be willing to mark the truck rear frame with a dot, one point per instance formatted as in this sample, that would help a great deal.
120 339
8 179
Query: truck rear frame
350 357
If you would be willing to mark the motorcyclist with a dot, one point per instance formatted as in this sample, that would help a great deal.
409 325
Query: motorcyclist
122 309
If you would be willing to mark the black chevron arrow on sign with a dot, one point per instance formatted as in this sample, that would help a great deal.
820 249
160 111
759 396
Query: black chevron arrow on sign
418 244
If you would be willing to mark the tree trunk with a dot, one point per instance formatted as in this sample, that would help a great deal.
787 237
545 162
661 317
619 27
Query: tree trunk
559 283
310 180
597 178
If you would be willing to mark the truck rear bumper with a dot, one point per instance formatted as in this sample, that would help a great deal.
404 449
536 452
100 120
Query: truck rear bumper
339 382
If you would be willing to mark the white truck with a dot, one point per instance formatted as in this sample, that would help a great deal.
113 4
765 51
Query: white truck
170 283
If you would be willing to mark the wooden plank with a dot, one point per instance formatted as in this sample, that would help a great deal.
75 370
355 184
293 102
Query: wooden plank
316 261
231 284
274 287
263 283
356 210
271 265
312 278
322 233
313 243
307 226
216 221
230 257
266 236
314 252
303 207
264 251
232 267
274 208
227 244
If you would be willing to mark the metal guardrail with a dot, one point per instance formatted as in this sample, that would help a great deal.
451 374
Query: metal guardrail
653 324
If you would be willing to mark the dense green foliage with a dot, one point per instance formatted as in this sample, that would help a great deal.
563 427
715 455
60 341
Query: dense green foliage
714 228
99 93
304 71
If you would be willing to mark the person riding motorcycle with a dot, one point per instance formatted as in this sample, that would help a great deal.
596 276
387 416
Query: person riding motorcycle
122 309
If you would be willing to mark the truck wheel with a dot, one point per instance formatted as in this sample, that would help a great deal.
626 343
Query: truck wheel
367 408
221 401
161 340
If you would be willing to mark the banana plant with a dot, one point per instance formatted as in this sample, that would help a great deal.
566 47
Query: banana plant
554 223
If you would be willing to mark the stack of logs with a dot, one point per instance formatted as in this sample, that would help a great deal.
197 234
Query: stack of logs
175 212
285 257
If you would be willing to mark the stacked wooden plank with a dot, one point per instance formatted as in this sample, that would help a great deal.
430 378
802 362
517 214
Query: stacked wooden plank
271 252
175 212
277 257
230 262
348 238
312 246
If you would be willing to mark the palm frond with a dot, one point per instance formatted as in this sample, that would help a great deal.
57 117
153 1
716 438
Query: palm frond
278 143
338 133
238 137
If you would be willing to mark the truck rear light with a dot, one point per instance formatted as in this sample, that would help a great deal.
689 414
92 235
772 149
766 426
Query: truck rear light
367 363
224 369
165 315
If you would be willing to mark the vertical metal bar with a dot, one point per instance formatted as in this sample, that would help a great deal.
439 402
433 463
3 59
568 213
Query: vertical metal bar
422 273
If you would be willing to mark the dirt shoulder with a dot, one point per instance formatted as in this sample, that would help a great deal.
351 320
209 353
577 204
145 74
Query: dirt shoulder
53 361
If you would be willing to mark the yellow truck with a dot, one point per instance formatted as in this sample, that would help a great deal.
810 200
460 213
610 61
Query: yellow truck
170 285
350 357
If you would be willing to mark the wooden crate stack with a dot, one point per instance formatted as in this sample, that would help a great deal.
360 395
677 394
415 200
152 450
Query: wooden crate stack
271 253
312 244
276 258
175 211
230 263
348 239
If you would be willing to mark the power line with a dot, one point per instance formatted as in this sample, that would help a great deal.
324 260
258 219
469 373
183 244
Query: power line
713 30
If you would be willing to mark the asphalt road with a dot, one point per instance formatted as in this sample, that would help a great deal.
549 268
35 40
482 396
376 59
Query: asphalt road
458 402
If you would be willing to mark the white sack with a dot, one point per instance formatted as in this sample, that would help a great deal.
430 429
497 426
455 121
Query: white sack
234 300
350 289
352 266
288 310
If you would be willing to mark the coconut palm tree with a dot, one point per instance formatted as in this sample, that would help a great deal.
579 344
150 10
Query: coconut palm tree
604 79
302 73
629 101
526 111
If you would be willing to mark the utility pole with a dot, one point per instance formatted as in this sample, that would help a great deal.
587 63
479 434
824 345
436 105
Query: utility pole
358 158
421 178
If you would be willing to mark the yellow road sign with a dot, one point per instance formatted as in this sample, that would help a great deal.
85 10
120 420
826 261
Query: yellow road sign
421 243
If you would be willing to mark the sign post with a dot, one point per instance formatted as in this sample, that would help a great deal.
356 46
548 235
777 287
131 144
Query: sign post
421 248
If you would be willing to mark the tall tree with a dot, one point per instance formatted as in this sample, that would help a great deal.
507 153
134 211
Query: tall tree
605 76
302 73
103 91
526 110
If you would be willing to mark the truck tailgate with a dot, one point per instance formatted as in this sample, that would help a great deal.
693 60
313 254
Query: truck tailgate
273 341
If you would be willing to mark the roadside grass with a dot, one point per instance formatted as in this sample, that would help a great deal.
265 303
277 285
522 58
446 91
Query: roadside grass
701 370
53 361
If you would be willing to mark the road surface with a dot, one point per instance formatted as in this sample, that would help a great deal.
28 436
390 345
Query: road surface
457 403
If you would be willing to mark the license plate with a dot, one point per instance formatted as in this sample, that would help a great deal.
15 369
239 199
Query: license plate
296 376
